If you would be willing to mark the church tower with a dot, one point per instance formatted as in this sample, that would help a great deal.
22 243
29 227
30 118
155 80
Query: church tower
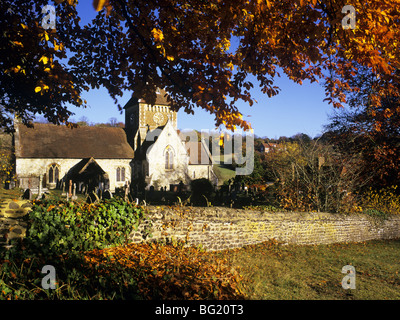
141 117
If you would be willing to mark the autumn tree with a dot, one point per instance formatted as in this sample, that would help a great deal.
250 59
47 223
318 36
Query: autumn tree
374 134
33 78
311 175
201 52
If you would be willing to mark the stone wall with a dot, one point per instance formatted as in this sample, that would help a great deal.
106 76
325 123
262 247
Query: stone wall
11 224
217 228
27 167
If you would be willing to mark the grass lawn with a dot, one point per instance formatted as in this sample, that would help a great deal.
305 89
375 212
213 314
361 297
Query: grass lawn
267 271
275 271
223 173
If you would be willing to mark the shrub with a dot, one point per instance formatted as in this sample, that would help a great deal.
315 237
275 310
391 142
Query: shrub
385 201
56 227
133 271
202 191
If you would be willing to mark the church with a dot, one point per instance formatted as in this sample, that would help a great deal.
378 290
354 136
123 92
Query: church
149 149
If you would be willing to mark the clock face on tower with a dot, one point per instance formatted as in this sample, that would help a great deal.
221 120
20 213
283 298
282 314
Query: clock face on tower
158 118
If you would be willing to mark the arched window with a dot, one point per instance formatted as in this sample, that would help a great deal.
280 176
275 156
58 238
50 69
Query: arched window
169 158
120 174
54 173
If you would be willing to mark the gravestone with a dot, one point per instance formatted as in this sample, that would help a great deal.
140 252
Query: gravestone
70 189
27 194
63 189
74 197
127 189
39 187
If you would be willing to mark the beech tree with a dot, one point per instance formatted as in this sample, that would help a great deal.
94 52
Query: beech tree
201 52
374 134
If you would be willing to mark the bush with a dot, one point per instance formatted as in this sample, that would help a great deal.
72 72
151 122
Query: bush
202 191
56 227
133 271
385 201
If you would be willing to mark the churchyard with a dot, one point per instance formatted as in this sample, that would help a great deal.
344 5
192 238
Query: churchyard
84 235
100 264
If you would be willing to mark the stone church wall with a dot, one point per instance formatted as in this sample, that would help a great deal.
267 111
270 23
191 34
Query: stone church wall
218 228
160 176
201 171
26 168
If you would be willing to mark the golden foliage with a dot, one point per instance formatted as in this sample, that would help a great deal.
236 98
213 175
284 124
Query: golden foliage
171 271
202 52
386 200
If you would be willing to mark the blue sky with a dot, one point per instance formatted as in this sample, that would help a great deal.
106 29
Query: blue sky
296 109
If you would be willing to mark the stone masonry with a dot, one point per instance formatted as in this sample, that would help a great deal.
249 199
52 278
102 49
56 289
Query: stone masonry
11 224
217 228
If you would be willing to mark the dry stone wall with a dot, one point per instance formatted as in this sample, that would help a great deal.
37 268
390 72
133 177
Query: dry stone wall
217 228
11 224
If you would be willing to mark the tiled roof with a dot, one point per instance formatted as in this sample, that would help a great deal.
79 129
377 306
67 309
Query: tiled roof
52 141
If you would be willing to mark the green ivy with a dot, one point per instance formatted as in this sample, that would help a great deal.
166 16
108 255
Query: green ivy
58 228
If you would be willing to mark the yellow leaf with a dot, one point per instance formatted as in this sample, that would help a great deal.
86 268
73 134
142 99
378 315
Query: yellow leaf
98 4
170 58
44 59
157 34
37 89
58 47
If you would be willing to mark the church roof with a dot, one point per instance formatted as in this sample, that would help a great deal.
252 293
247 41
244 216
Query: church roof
202 156
86 168
52 141
161 99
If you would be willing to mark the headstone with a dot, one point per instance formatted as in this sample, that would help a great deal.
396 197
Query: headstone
70 188
27 194
63 189
40 186
126 191
74 197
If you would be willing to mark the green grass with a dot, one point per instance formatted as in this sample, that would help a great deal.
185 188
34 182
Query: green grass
223 172
274 271
270 271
